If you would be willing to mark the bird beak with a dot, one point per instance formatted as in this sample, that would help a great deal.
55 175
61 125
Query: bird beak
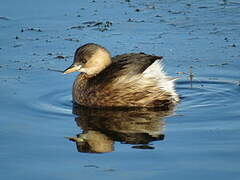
75 139
72 68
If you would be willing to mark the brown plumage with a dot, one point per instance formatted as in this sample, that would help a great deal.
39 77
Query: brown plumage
128 80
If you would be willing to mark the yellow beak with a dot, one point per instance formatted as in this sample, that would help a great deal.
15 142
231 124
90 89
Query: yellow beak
72 68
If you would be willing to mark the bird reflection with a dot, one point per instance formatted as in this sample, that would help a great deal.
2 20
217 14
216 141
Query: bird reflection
102 127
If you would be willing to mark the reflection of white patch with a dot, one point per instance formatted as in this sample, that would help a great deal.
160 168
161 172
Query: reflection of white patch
155 71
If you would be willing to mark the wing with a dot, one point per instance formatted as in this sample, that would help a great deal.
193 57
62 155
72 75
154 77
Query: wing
122 66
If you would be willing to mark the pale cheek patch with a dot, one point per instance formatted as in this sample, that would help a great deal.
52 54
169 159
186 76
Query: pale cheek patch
99 61
89 71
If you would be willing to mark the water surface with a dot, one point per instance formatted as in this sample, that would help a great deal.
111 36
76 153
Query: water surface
199 138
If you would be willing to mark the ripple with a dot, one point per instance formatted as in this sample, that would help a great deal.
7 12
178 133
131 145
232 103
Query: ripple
56 103
198 94
207 93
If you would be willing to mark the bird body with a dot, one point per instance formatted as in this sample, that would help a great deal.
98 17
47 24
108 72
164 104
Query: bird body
128 80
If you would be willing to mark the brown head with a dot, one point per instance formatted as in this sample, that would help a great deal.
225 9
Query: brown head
90 59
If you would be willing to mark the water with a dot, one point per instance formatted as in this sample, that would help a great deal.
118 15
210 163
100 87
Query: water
199 138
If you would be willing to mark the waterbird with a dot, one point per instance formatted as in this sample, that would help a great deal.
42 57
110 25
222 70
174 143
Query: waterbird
127 80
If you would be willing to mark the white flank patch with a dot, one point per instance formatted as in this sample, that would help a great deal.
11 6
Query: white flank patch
155 71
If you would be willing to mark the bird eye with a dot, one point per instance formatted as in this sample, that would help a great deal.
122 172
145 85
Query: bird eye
84 61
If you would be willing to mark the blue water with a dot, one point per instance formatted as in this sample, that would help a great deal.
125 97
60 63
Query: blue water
199 138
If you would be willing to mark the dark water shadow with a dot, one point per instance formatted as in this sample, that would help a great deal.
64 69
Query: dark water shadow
102 127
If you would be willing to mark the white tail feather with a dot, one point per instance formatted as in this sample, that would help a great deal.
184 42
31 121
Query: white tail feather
166 83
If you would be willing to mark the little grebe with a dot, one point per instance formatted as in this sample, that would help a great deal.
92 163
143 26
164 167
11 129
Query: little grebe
127 80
